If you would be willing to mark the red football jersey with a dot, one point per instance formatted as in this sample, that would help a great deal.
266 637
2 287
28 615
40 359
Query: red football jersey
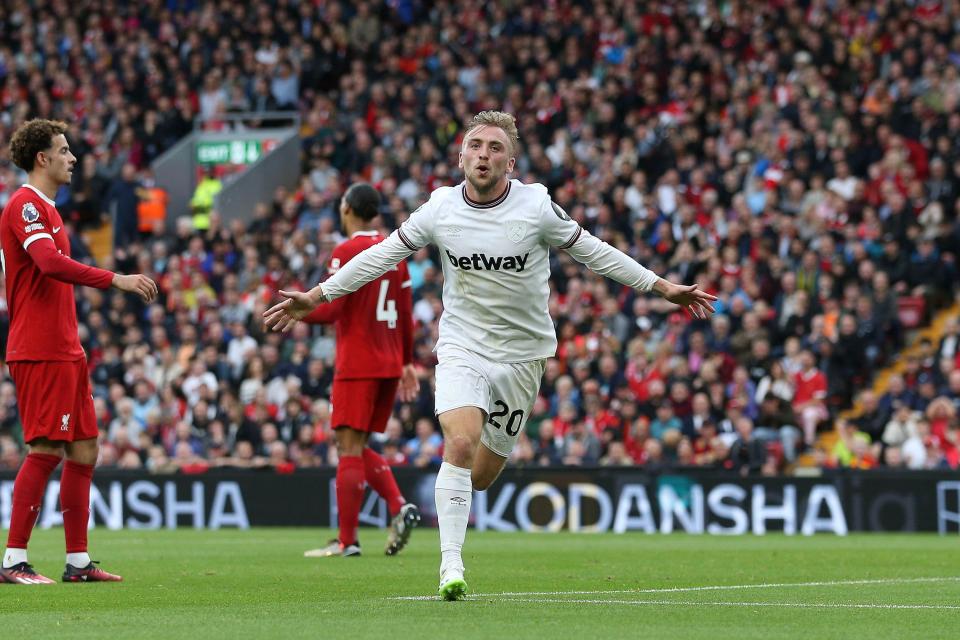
812 386
374 323
43 312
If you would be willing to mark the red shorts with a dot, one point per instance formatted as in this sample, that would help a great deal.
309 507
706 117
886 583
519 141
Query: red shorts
364 404
55 400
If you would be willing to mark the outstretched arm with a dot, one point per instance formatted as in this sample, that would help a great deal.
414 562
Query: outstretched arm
368 265
365 266
611 262
558 230
695 302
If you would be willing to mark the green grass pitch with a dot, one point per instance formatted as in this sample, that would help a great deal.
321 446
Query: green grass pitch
256 584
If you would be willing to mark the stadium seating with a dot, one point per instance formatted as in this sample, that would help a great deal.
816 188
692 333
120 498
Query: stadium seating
801 164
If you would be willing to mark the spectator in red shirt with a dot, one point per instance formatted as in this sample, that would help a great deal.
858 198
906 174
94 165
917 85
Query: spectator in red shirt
811 394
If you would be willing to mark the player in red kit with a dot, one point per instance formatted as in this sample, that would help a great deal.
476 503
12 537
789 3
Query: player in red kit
46 362
374 352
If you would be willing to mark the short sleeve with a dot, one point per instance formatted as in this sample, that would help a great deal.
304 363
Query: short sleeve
29 223
338 258
556 227
417 231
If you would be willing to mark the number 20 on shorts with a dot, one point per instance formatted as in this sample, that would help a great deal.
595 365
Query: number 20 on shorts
513 422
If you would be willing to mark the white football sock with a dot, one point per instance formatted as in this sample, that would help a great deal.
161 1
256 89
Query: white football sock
13 556
453 495
78 560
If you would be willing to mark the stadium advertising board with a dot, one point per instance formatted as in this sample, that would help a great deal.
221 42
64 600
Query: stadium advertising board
580 500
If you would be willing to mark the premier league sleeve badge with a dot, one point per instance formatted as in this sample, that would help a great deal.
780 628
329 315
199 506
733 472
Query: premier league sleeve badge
30 213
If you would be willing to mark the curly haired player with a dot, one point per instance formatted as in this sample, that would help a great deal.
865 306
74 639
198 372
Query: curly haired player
46 362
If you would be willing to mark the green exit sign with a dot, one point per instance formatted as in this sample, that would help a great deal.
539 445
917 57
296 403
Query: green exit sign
229 152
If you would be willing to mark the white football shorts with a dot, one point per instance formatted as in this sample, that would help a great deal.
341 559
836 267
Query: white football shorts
505 391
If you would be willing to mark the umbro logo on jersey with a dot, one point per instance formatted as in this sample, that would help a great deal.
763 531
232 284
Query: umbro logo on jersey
479 261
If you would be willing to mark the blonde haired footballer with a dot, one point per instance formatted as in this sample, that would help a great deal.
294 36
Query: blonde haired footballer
494 236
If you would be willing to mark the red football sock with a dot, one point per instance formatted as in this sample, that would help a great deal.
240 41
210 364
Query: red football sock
380 478
350 483
28 490
75 504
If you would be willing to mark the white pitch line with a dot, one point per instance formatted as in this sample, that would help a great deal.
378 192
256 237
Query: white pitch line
722 587
796 605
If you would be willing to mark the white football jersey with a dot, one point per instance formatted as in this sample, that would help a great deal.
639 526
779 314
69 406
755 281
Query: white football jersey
496 266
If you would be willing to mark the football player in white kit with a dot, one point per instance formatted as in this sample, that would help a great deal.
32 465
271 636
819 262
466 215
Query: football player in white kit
494 235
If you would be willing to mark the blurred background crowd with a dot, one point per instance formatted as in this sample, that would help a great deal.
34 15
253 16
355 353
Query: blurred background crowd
800 159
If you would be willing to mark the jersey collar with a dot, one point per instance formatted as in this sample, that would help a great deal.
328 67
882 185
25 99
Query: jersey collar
485 205
369 234
40 193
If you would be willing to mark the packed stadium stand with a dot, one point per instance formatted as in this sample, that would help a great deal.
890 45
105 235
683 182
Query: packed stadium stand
799 159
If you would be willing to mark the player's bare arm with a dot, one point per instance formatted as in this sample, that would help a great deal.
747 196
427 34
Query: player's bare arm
409 383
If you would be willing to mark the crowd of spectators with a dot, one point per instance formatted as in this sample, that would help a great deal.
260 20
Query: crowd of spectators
799 159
